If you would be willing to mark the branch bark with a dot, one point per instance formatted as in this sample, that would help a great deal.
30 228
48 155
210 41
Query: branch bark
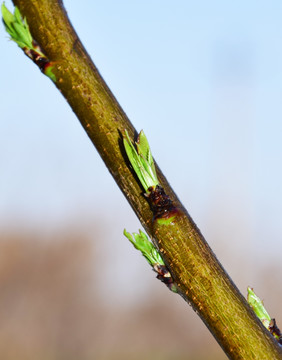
202 281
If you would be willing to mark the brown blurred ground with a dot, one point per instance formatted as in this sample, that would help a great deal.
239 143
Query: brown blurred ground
51 308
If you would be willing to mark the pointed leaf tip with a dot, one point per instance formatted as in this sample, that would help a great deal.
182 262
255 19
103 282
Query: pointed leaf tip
141 160
16 27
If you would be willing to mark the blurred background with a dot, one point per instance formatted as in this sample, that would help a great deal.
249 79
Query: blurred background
204 81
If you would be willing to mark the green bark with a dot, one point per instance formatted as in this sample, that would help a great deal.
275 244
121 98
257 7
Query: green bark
201 279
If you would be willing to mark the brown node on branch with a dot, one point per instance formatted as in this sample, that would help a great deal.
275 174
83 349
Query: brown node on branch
41 61
161 204
165 276
275 331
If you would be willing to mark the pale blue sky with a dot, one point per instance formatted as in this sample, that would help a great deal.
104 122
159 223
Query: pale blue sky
204 81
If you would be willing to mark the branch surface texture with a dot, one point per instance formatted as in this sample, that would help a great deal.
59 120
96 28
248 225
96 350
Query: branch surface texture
199 277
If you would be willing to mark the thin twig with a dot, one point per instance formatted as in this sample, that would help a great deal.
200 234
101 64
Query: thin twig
200 278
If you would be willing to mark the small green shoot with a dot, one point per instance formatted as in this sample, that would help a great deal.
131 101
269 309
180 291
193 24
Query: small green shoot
17 27
260 311
141 160
149 251
257 305
141 242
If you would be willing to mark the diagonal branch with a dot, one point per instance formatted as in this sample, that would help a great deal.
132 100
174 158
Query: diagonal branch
200 278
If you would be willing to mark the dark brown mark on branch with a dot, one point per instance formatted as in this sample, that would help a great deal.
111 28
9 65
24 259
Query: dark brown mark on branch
161 204
275 331
165 276
41 61
37 56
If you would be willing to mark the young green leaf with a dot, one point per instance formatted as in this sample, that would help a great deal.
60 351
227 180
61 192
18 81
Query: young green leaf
141 242
257 305
134 159
141 160
18 30
144 150
150 252
259 309
16 27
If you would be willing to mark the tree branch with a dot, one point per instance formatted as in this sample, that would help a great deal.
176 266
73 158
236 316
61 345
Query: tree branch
200 278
